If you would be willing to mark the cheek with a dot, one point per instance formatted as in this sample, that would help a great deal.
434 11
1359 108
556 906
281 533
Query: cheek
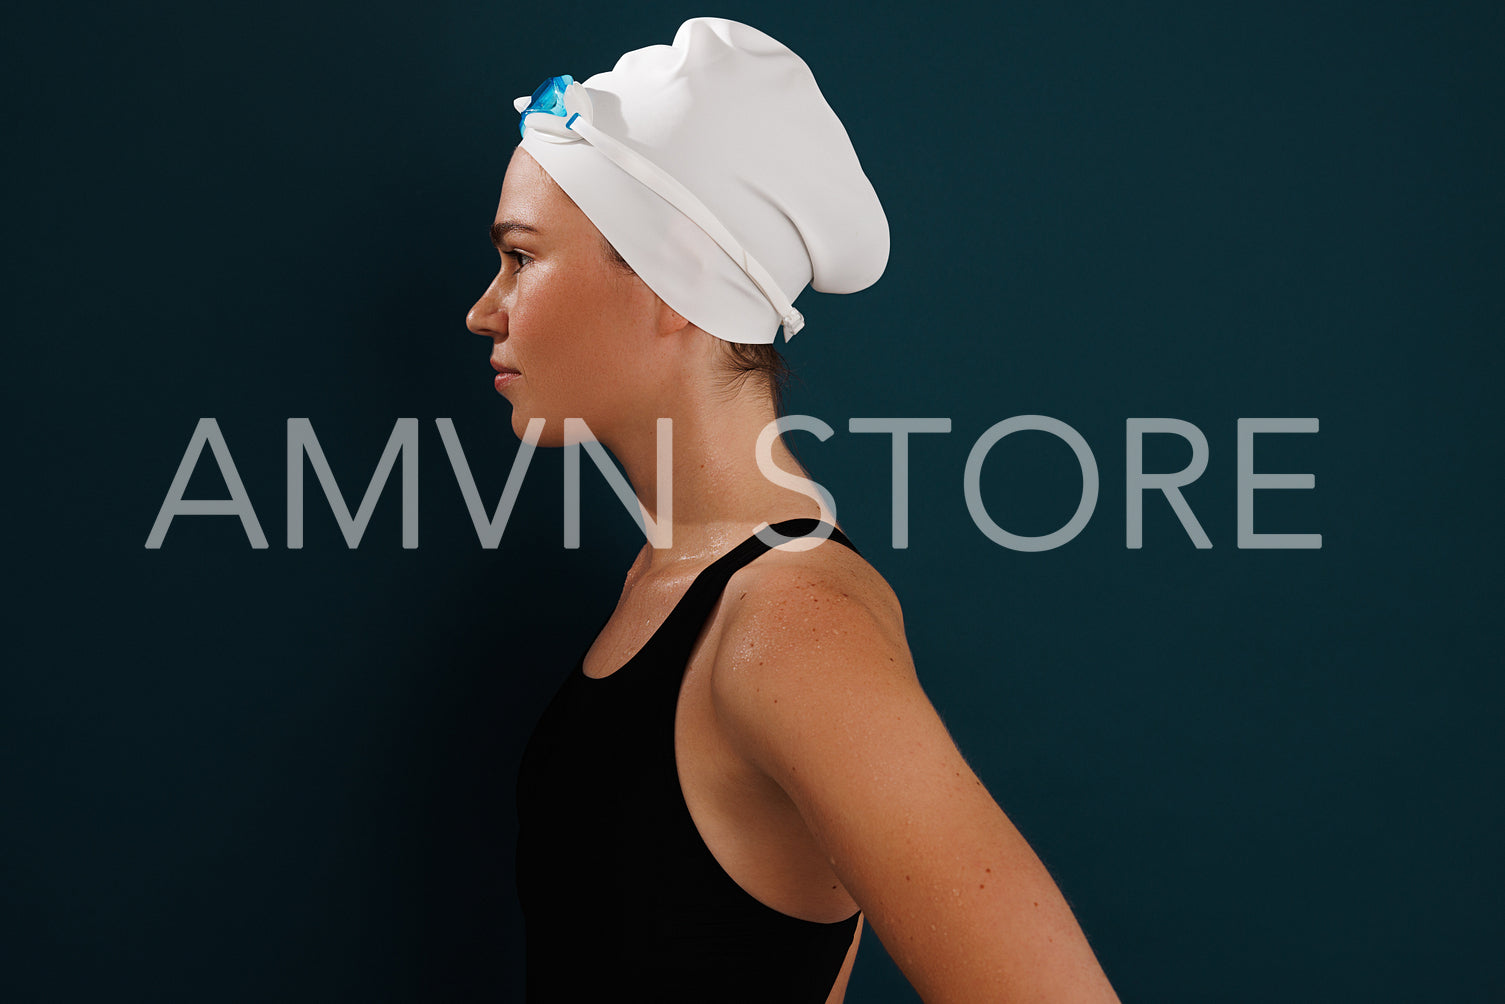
575 337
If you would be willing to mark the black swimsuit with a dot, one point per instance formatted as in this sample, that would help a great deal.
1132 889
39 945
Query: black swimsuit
620 894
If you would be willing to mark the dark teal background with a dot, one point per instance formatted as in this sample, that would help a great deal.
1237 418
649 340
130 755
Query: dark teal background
237 775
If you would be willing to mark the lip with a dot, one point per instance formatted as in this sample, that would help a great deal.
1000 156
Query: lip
504 375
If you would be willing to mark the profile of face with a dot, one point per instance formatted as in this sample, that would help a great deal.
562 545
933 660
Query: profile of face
581 336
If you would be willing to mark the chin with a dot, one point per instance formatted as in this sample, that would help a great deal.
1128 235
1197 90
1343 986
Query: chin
520 426
553 428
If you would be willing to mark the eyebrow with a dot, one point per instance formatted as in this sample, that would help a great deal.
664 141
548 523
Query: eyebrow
501 228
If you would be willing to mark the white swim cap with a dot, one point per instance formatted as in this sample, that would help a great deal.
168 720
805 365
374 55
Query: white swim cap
716 168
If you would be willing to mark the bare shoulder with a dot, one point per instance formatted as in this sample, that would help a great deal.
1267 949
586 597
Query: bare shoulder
811 650
815 603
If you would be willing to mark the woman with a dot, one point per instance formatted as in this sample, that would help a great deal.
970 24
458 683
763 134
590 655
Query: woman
743 767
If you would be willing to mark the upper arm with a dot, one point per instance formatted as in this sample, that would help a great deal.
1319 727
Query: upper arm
814 685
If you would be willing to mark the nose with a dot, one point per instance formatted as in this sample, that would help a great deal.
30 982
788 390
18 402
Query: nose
489 314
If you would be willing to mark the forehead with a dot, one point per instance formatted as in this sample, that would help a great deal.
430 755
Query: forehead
530 196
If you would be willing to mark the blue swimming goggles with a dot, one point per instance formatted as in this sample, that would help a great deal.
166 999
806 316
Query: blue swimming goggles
548 99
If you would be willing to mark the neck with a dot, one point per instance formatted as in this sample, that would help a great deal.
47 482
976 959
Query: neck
720 495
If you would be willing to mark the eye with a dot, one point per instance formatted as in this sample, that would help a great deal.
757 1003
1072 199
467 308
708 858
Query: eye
519 257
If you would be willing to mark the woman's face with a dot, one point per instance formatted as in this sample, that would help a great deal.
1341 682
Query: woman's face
578 331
